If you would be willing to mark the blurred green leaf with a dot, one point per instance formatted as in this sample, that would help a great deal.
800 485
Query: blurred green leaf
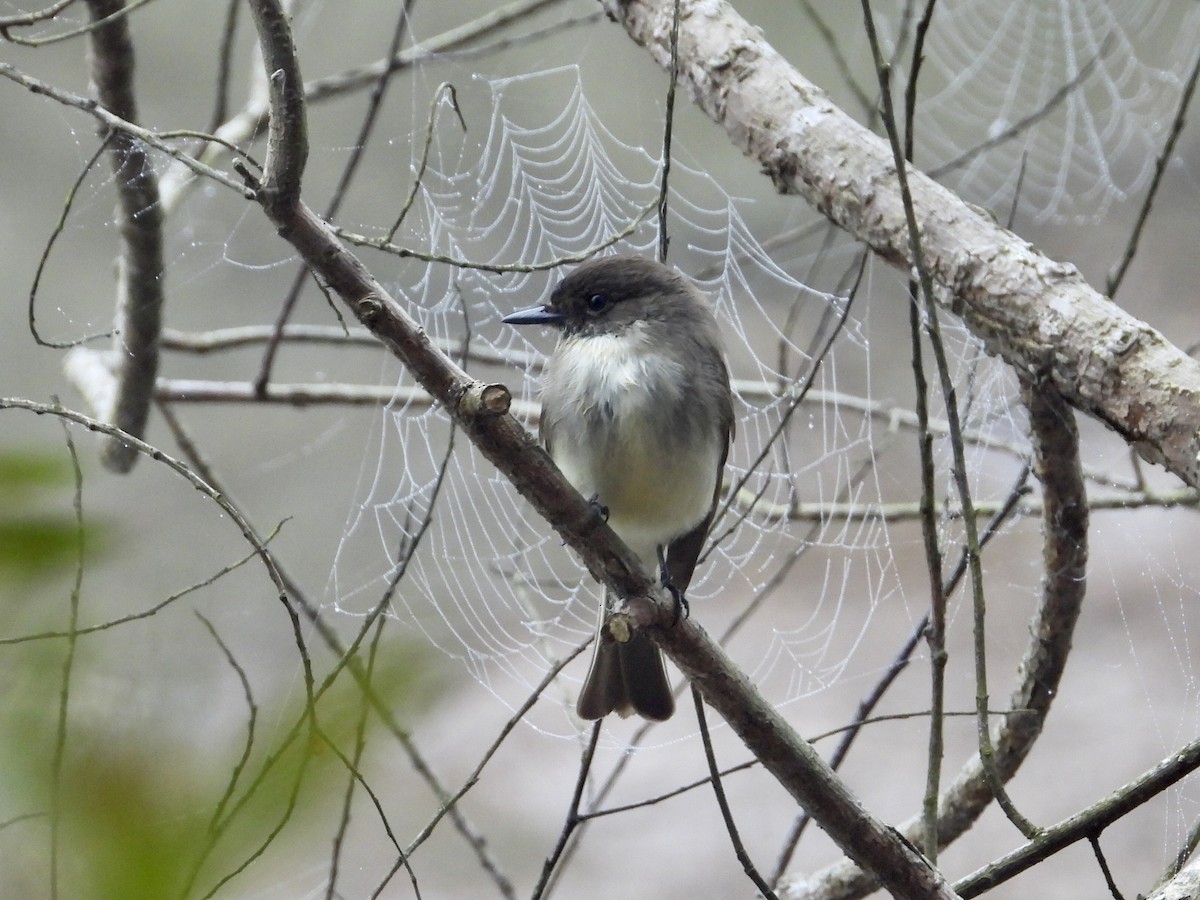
123 829
38 532
23 473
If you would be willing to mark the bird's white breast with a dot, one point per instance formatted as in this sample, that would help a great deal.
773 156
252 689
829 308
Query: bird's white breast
615 410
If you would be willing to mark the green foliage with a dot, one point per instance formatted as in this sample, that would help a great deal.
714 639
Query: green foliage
133 811
39 536
122 830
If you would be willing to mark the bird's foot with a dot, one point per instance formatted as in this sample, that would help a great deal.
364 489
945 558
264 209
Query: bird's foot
681 605
598 508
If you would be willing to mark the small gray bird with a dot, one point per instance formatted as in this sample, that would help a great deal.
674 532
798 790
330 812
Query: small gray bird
638 415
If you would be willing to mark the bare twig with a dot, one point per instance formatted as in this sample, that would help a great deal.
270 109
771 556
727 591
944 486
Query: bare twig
935 633
572 818
115 14
447 92
932 329
714 778
224 66
664 177
24 20
117 123
357 148
386 246
45 256
82 630
1085 823
236 772
68 666
1094 840
1117 275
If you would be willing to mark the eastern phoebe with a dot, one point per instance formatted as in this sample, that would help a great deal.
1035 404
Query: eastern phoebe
638 415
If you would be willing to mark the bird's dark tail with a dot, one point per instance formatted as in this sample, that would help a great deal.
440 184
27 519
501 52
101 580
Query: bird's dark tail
626 678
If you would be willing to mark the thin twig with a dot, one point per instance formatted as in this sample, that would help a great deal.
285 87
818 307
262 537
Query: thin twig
664 177
1094 840
386 246
572 818
24 20
115 15
714 773
285 816
116 123
935 633
360 743
82 631
224 66
64 695
45 255
1085 823
958 447
236 772
357 150
1117 275
668 795
444 90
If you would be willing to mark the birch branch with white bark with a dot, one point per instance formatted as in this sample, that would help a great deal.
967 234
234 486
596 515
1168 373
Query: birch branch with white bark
1038 314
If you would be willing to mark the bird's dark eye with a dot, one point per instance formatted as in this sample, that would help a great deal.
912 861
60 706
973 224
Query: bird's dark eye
597 303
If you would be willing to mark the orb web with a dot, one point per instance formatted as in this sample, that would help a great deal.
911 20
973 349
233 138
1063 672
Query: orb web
490 585
1071 100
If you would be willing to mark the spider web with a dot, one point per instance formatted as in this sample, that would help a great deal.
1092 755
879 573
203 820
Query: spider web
1070 99
490 585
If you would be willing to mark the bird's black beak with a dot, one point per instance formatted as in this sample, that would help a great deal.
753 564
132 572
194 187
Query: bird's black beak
535 315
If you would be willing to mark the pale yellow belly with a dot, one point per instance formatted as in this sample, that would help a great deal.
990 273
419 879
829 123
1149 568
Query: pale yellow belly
625 432
653 493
